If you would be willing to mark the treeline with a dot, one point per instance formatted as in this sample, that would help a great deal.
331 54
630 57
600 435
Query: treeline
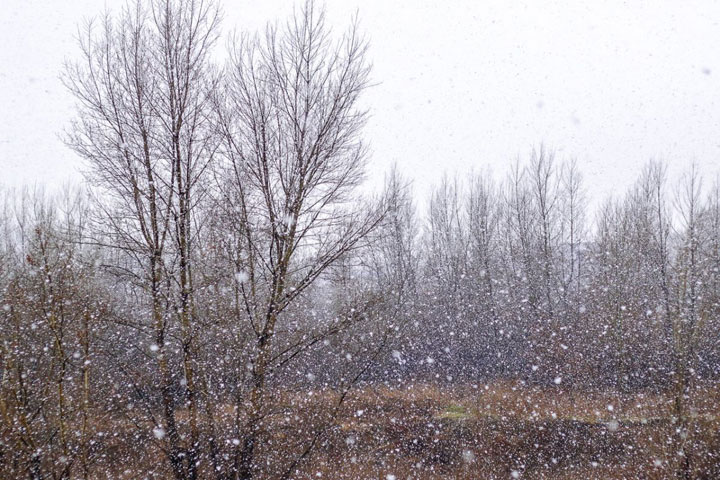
516 278
221 256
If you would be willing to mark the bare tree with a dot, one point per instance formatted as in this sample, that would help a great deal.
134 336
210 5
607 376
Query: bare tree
143 90
544 185
291 126
446 244
50 303
691 311
394 250
573 205
483 218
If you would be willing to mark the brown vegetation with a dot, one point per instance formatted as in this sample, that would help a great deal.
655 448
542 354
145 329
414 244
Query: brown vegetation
483 431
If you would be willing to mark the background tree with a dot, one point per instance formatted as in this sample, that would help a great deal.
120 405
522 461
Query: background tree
51 302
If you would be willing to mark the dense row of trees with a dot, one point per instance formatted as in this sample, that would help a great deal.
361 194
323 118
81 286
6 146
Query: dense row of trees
222 254
618 297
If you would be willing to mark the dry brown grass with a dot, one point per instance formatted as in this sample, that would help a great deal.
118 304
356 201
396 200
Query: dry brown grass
425 431
490 431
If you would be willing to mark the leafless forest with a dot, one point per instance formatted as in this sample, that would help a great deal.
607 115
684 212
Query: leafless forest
224 298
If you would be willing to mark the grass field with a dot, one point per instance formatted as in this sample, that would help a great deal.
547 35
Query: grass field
508 430
502 430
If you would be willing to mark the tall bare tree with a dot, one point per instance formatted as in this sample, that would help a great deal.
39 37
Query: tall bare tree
291 125
143 90
691 311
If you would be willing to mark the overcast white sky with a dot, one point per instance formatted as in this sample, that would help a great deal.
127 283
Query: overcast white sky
463 84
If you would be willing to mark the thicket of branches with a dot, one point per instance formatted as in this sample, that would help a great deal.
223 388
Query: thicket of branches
222 255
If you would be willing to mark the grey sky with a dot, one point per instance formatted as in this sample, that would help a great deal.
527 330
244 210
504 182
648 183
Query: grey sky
461 84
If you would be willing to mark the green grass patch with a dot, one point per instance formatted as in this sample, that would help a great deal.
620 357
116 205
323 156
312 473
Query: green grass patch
455 412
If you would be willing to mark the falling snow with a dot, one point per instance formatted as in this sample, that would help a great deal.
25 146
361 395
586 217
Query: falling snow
225 298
